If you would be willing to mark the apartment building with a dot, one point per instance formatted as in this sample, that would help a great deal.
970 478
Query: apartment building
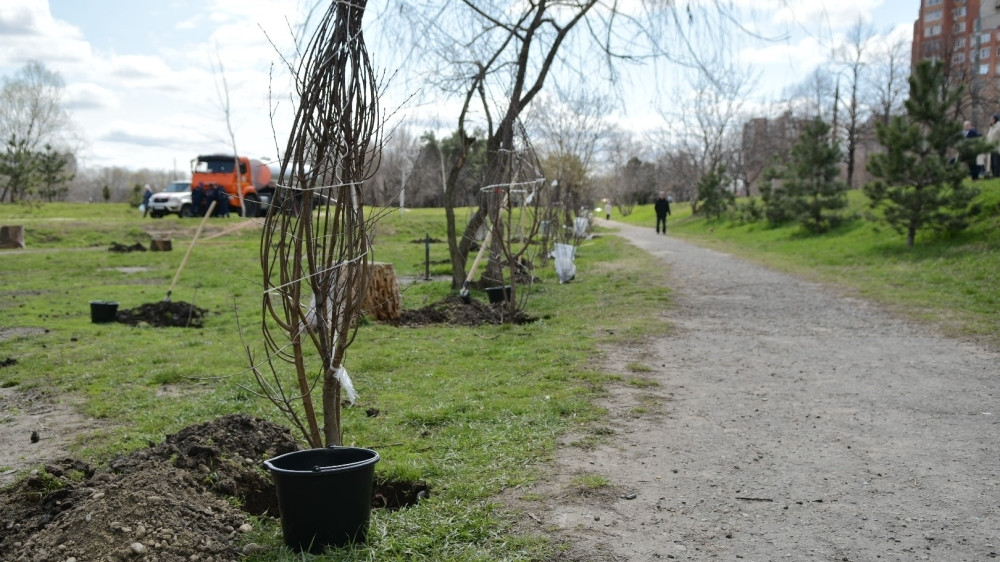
964 35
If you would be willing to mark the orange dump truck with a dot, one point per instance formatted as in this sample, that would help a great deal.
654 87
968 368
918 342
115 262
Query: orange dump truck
252 179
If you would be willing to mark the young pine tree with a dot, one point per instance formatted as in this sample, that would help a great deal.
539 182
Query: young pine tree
919 181
713 195
815 197
772 193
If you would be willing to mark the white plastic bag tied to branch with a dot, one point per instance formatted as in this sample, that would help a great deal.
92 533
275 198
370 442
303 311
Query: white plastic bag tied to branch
563 255
346 384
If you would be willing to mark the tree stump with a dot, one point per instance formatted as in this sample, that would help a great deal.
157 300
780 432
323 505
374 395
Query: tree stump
382 300
162 245
12 236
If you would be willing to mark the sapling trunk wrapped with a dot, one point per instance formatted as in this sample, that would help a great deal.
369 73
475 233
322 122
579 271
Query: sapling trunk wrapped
315 243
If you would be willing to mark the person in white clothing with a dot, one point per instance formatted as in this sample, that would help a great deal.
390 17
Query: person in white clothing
993 158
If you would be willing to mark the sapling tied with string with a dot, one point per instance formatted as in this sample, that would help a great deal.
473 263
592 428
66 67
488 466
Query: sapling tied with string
315 246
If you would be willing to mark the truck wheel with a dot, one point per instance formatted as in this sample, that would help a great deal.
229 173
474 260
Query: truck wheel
155 215
252 203
185 211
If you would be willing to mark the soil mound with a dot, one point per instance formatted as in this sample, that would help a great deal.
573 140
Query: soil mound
174 501
123 249
164 314
453 310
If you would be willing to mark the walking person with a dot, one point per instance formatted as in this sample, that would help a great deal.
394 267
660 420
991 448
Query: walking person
607 210
146 196
662 208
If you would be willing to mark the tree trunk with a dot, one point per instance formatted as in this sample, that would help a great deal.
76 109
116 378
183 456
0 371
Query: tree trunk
160 245
458 250
382 299
12 236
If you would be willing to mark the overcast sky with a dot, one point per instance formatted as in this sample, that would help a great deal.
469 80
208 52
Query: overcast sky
141 88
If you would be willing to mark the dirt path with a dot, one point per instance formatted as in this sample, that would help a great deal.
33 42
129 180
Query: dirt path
786 422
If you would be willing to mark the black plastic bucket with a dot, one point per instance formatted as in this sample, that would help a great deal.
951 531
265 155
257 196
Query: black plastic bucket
498 294
324 495
102 312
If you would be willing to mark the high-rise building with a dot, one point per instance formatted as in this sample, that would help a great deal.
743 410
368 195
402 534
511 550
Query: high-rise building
964 36
945 31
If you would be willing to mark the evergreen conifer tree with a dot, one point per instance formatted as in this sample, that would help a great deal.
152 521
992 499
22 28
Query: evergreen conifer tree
919 180
815 197
713 196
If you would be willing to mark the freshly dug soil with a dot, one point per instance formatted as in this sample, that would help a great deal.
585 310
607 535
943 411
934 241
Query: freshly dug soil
173 501
164 314
124 249
453 310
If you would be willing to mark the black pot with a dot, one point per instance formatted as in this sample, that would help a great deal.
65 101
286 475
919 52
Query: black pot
324 495
498 294
102 312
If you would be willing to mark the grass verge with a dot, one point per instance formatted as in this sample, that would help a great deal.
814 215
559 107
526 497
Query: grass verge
474 412
948 280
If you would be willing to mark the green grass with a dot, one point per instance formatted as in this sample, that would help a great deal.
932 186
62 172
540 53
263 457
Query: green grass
590 482
950 280
474 412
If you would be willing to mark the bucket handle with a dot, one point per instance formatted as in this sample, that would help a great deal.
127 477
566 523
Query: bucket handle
346 466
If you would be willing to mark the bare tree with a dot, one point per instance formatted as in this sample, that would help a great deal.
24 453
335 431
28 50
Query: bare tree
392 182
814 96
852 56
568 127
497 56
618 147
31 108
222 93
887 80
703 132
33 126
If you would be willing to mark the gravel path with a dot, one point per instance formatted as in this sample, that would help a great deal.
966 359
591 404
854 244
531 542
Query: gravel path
786 422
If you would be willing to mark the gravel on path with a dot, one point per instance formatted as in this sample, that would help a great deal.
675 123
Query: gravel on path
783 421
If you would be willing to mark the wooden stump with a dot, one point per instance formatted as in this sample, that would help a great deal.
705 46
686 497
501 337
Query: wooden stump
12 236
382 300
160 245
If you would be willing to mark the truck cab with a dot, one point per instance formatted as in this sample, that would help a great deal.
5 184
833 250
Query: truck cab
237 175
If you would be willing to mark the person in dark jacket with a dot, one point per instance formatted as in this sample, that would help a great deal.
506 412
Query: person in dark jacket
198 200
222 198
970 132
211 194
662 208
146 196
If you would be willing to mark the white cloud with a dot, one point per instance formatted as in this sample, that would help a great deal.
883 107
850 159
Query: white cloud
137 67
29 32
825 15
84 96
